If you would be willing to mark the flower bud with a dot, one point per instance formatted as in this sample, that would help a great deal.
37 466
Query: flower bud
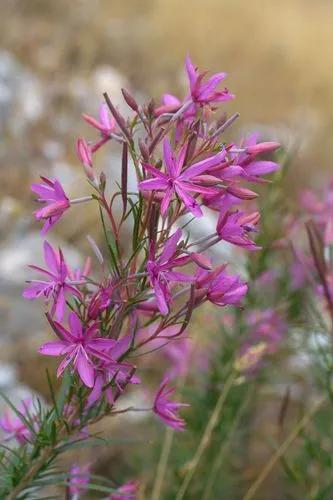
242 193
130 100
144 150
263 147
84 154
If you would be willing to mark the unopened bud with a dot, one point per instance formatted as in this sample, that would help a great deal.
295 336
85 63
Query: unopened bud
84 154
242 193
151 107
144 150
102 181
130 100
263 147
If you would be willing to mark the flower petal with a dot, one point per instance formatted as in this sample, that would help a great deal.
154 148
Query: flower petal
54 348
75 325
85 368
51 257
170 246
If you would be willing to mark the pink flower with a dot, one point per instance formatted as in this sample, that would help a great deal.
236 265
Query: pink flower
105 124
120 373
180 182
253 169
57 284
235 228
79 345
220 288
15 427
127 491
50 193
205 92
160 270
79 479
167 409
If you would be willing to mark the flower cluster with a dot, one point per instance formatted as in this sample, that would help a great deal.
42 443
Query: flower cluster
166 275
157 275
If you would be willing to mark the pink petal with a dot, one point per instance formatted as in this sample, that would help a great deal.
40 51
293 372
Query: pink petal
59 190
54 348
261 168
154 171
170 246
168 158
45 192
101 343
181 158
190 203
60 304
120 347
85 369
166 201
51 258
177 276
161 300
201 166
196 188
152 184
65 362
192 75
170 99
75 325
34 291
96 393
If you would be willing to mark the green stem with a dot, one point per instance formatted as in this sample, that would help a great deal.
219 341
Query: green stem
206 437
162 464
223 449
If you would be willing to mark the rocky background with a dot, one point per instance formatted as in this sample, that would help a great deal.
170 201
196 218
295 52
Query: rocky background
56 59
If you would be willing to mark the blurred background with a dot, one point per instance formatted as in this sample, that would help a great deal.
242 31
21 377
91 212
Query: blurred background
56 59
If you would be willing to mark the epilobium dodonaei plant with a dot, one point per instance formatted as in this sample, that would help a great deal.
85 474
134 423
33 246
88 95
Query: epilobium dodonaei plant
157 279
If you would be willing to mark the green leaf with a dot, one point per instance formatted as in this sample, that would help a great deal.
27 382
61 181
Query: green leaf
66 383
110 244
